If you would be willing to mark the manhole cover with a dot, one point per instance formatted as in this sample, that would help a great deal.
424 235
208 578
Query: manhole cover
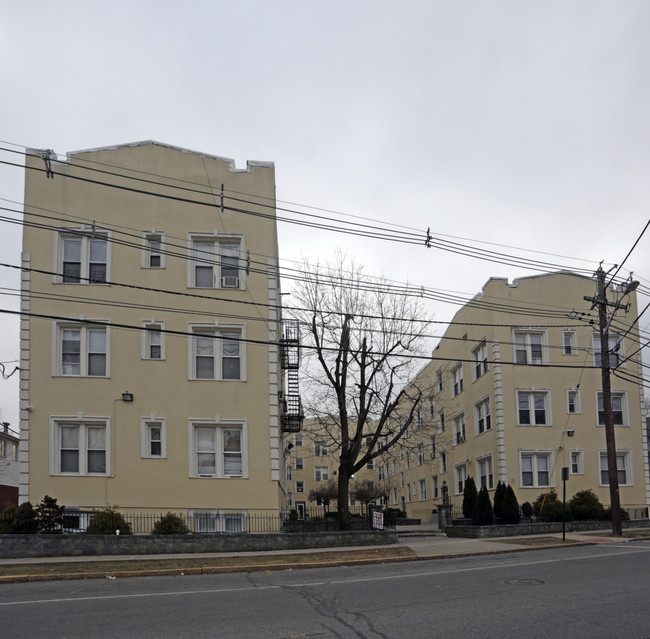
523 582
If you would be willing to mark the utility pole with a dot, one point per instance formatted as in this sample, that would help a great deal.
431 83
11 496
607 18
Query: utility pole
603 325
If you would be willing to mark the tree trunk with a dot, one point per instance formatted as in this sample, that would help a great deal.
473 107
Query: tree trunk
343 494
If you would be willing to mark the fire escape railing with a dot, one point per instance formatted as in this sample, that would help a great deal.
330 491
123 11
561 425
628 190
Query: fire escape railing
292 414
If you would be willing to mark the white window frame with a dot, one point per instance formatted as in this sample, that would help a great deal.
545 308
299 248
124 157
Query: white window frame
619 407
482 416
456 381
381 473
531 396
218 451
85 347
420 453
615 359
149 329
439 380
536 468
432 444
217 521
289 472
83 424
432 409
435 491
480 364
297 440
569 343
320 448
300 463
460 429
219 334
146 425
213 259
621 455
85 236
422 487
151 253
321 473
460 477
527 352
485 471
576 462
370 465
575 403
300 486
443 462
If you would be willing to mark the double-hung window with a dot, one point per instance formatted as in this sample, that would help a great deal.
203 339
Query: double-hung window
482 416
219 449
420 453
216 262
459 429
217 353
619 409
381 473
533 408
615 347
577 462
153 438
321 473
535 469
484 468
569 343
457 380
82 258
300 464
423 489
80 447
573 401
434 487
153 339
82 350
529 347
153 255
480 360
320 449
460 473
623 468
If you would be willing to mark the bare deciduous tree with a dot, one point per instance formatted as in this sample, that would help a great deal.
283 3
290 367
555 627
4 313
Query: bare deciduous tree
363 336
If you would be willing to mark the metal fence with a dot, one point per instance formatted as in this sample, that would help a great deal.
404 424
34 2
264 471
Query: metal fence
307 520
634 512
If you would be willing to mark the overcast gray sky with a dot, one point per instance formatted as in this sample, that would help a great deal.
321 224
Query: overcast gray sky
512 122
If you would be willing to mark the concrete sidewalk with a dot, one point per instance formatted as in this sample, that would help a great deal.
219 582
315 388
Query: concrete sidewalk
425 543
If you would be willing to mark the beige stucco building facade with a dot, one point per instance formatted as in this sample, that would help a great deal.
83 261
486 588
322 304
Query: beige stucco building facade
517 397
514 395
151 367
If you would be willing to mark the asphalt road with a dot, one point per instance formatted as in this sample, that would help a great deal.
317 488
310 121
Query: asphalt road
581 592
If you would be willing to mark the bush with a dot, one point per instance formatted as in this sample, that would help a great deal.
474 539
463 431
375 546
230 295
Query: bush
170 524
552 510
585 505
527 509
7 517
25 520
484 515
106 522
625 516
499 495
49 516
510 507
470 498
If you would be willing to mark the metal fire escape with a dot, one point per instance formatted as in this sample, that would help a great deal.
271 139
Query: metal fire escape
290 402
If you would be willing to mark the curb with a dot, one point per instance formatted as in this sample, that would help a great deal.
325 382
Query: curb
212 570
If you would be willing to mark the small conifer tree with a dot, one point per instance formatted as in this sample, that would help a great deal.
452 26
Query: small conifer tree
470 497
484 514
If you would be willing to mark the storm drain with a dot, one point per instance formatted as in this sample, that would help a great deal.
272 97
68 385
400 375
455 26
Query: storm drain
523 582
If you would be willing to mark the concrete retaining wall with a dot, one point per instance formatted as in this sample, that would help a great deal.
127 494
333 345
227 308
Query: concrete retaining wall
17 546
541 528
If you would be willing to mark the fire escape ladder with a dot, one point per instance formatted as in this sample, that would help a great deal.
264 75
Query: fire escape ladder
290 401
